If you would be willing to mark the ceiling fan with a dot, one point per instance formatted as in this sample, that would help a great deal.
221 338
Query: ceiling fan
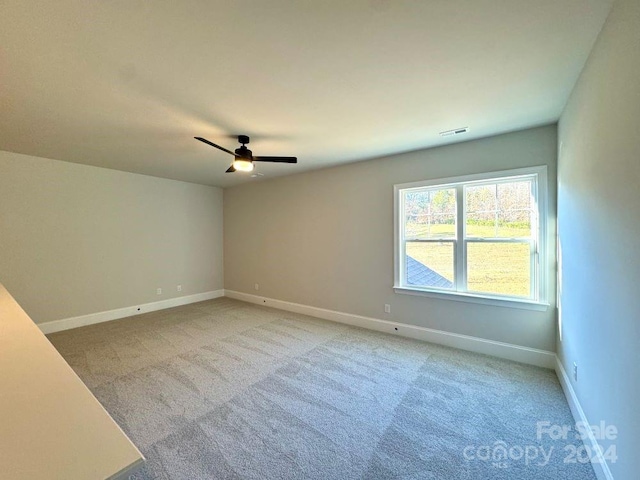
243 161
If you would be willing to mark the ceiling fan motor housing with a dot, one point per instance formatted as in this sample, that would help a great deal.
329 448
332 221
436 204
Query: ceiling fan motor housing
244 152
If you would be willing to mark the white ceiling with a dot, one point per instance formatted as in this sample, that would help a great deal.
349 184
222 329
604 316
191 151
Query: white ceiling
128 84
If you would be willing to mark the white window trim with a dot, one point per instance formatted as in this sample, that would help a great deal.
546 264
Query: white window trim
539 303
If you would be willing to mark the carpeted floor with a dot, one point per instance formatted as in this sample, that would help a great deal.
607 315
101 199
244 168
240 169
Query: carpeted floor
228 390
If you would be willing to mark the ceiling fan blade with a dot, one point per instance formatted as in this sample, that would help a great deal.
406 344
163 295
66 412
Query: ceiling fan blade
231 169
204 140
276 159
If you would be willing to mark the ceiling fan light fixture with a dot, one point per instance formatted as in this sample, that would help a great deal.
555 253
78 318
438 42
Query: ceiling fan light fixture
243 164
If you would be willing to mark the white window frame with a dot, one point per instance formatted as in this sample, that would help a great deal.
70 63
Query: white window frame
539 262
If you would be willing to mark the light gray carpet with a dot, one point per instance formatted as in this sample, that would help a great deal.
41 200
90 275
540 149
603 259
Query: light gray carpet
228 390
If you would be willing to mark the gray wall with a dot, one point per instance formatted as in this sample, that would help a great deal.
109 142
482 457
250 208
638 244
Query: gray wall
325 238
599 233
76 239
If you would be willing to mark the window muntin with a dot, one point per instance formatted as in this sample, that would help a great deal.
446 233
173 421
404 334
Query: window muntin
479 237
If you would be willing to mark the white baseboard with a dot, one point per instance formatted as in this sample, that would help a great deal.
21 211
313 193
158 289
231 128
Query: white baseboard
532 356
90 319
600 465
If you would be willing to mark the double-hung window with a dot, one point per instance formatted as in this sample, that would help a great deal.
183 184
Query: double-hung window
474 238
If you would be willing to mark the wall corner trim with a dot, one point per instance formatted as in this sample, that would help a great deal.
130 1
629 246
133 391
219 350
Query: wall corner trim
599 464
99 317
517 353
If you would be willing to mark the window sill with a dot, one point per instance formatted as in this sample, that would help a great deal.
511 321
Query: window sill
471 298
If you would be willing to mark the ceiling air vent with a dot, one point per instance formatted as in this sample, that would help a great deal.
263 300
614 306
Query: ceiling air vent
456 131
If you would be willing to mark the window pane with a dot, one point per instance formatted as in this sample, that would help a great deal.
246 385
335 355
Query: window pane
481 208
430 214
514 224
481 200
500 210
429 264
514 195
479 226
499 268
514 209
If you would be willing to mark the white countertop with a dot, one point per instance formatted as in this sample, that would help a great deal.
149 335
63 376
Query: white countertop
51 425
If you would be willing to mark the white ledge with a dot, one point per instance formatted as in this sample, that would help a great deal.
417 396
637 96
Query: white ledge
471 298
52 427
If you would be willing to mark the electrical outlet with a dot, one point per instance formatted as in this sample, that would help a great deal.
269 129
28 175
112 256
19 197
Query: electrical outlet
387 308
257 286
179 287
575 371
159 291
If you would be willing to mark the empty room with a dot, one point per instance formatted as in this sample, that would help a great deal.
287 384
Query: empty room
322 240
